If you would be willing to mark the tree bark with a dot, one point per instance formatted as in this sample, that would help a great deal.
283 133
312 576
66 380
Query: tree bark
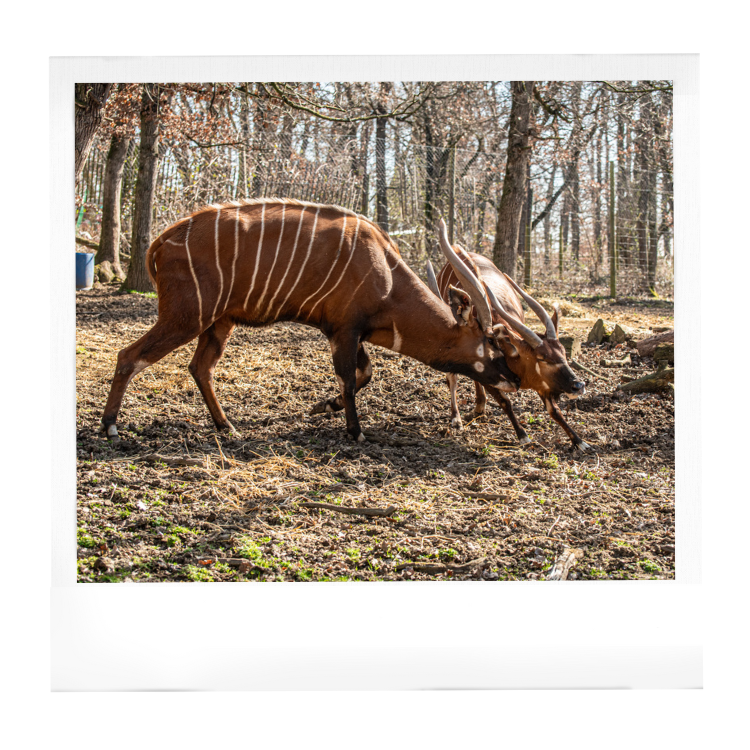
575 221
547 218
109 242
148 161
381 195
89 102
520 138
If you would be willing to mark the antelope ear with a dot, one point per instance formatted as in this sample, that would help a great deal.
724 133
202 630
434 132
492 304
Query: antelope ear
556 315
504 340
460 304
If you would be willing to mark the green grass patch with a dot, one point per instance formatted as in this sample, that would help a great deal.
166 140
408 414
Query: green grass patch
198 575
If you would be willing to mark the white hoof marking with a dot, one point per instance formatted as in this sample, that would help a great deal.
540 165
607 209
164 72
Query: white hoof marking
584 447
329 407
112 431
525 440
361 438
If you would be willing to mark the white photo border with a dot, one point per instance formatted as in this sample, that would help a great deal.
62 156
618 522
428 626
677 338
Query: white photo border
377 636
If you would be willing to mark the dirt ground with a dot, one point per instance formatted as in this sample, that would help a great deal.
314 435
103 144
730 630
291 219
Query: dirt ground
177 501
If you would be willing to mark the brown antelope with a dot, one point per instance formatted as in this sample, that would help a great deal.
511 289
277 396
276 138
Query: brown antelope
473 287
266 260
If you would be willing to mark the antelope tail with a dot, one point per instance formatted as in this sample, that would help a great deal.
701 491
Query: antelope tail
151 261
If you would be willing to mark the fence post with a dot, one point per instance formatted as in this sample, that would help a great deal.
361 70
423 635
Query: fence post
527 241
451 194
612 243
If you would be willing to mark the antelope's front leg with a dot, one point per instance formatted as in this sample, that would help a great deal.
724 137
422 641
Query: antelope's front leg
507 407
345 349
364 375
554 411
480 402
456 422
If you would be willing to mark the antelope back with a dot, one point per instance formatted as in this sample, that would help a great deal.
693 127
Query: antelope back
271 259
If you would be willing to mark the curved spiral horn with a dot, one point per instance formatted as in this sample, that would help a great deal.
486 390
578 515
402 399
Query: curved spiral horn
468 280
432 281
531 338
541 313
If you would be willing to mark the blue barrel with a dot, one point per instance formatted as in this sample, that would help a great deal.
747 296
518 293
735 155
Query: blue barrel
84 270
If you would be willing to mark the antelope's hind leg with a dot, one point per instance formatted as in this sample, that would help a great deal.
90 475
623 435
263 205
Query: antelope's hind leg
363 377
211 345
150 348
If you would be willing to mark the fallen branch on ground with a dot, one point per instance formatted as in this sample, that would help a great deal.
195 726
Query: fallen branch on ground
578 366
488 496
438 567
662 380
87 243
567 559
172 460
389 511
646 347
604 362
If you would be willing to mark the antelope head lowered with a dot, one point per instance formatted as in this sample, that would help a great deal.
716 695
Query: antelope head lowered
266 260
473 287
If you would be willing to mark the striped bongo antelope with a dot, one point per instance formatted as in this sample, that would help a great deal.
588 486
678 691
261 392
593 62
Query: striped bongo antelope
266 260
473 287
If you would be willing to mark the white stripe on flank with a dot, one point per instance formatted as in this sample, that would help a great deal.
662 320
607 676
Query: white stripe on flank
278 245
304 263
330 270
195 278
280 286
218 265
343 272
236 250
257 255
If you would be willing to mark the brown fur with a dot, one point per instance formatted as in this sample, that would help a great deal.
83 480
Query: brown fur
267 260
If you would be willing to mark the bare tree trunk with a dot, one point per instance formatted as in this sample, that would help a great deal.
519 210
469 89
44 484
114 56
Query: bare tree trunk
644 185
381 199
242 177
624 213
565 218
548 217
89 102
597 201
520 135
259 173
653 234
364 150
575 222
148 161
521 247
109 241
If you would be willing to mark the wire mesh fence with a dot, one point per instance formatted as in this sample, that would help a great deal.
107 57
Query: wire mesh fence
406 186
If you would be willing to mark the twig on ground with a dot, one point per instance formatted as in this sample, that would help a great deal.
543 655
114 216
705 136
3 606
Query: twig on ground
549 531
171 460
578 366
488 496
389 511
438 567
